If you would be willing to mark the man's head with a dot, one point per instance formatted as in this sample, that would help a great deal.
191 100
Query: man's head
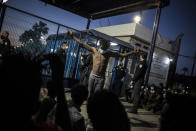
106 112
4 35
64 45
79 94
143 56
120 65
104 44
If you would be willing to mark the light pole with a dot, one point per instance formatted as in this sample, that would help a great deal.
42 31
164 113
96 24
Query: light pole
154 36
2 11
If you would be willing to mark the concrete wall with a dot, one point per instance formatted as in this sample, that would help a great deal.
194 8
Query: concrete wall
118 30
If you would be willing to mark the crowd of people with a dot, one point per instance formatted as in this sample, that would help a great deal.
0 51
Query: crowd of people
28 104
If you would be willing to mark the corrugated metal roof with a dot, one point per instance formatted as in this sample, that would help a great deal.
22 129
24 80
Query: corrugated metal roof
95 9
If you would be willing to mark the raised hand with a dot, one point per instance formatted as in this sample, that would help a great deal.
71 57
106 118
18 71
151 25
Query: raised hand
70 33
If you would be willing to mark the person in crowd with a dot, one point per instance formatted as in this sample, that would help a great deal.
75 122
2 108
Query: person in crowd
5 46
145 96
138 79
178 114
119 78
79 94
85 69
158 104
151 98
20 82
62 55
129 92
101 57
106 112
47 104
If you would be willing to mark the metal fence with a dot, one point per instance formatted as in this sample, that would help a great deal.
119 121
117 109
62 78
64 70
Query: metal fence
33 34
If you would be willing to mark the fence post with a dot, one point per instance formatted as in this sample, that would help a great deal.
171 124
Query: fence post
57 34
3 9
153 42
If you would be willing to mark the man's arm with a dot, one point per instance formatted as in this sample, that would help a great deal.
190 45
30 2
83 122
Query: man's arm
89 48
115 54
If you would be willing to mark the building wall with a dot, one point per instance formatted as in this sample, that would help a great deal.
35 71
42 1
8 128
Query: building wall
139 36
118 30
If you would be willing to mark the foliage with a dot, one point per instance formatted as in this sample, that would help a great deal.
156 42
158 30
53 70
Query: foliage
31 39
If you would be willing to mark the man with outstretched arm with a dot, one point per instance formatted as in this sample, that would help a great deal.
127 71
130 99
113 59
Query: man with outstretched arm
100 60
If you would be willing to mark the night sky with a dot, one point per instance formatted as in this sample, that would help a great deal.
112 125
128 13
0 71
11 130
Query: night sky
178 17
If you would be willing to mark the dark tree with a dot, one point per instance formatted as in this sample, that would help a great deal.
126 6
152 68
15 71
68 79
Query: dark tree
31 39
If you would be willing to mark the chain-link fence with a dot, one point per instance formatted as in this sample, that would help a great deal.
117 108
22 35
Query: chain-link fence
32 34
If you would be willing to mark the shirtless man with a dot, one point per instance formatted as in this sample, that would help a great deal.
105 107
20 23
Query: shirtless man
100 60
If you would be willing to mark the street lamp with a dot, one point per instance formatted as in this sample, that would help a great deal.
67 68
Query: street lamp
137 19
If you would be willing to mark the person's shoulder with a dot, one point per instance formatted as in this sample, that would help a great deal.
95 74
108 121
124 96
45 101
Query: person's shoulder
75 115
94 49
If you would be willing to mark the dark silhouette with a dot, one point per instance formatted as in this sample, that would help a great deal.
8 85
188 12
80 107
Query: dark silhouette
138 79
20 82
106 112
79 94
118 81
5 45
62 55
47 104
178 114
85 69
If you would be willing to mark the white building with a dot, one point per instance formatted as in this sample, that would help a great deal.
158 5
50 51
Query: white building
138 35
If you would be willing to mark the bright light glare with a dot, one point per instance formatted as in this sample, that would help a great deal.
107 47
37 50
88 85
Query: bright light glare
167 61
113 44
137 19
42 37
170 60
98 43
4 1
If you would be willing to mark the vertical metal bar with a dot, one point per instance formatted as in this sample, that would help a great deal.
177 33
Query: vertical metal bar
88 24
74 75
114 73
3 9
77 63
193 66
78 51
153 42
57 34
140 17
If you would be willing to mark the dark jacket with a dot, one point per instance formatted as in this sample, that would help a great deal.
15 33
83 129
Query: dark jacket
140 71
62 54
5 46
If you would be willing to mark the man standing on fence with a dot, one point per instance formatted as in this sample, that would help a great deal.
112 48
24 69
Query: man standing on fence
101 57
